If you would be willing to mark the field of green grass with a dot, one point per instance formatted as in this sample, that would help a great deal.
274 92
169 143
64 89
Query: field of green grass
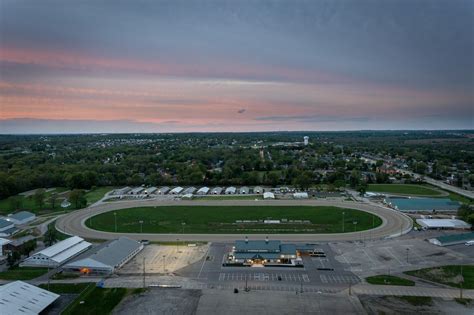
22 273
417 300
97 194
389 280
28 202
65 288
448 275
97 301
403 189
222 219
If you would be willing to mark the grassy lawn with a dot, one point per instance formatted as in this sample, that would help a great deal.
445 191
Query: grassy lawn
65 288
222 219
229 197
448 275
462 199
22 273
404 189
97 301
417 300
97 194
389 280
28 203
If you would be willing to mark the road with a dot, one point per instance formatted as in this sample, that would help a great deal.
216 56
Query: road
440 184
394 223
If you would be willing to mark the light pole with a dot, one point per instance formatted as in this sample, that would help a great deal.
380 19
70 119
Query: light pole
355 226
144 273
115 216
183 224
343 214
319 301
141 226
90 219
164 264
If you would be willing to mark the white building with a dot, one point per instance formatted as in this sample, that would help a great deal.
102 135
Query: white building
257 190
203 191
3 242
189 190
217 191
6 227
300 195
163 190
137 191
19 297
244 190
150 190
21 217
57 254
268 195
105 258
230 190
176 190
306 140
122 191
443 224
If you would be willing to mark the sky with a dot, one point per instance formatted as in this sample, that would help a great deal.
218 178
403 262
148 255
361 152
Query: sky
235 65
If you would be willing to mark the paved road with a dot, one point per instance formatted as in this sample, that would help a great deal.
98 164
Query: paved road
394 222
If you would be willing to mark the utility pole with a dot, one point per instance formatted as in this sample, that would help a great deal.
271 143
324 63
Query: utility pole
144 273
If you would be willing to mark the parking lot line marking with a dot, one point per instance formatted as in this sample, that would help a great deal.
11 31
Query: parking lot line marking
305 278
203 262
391 254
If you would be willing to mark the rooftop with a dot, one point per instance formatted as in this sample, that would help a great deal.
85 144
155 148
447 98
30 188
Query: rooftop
456 237
21 215
4 223
22 298
257 246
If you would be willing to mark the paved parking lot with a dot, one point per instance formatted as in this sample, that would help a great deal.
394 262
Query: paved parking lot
263 276
394 256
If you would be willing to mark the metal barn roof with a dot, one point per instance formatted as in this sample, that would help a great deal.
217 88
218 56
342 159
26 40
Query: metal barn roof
22 298
20 216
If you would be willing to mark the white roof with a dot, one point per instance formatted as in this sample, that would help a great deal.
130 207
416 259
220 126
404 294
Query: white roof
443 223
177 190
268 195
203 190
22 298
64 250
231 188
4 241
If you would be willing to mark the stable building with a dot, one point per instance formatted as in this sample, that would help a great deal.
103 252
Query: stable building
3 242
137 191
106 258
217 191
176 190
7 228
19 297
257 190
268 195
163 190
189 190
244 190
21 217
230 190
150 190
263 253
57 254
203 191
443 224
122 191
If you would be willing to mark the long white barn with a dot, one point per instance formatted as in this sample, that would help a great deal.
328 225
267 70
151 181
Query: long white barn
57 254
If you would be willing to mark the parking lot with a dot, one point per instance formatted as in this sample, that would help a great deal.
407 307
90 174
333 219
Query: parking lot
394 256
164 259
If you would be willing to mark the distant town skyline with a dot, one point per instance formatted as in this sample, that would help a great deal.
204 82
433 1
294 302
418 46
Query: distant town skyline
204 66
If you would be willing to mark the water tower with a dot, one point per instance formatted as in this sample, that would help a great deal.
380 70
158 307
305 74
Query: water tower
306 138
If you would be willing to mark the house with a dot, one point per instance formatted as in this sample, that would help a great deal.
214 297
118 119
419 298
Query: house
217 191
21 217
19 297
57 254
230 190
203 191
244 190
176 190
105 258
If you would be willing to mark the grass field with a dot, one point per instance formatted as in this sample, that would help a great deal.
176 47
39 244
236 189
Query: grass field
23 273
404 189
417 300
65 288
389 280
449 275
97 301
97 194
222 219
28 202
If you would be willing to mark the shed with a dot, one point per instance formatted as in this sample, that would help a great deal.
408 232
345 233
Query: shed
268 195
163 190
300 195
257 190
176 190
151 190
230 190
189 190
216 191
203 191
244 190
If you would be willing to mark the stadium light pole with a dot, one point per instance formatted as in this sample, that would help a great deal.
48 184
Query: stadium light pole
355 226
141 226
343 214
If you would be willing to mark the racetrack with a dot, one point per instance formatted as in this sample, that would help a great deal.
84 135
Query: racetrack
394 222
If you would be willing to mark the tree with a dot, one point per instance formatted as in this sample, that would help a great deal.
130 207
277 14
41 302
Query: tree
51 236
16 203
28 247
78 199
12 259
302 181
362 188
39 197
53 200
354 179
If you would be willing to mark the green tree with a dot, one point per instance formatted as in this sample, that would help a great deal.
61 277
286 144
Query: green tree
39 197
77 198
51 236
16 202
13 258
53 200
29 247
302 181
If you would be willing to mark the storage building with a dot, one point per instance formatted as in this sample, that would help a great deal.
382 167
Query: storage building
122 191
150 190
19 297
57 254
230 190
217 191
176 190
300 195
21 217
163 190
443 224
244 190
6 227
268 195
105 258
258 190
203 191
189 190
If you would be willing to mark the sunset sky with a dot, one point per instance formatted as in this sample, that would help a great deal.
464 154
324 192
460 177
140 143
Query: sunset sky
175 66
